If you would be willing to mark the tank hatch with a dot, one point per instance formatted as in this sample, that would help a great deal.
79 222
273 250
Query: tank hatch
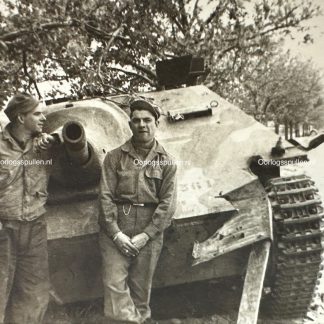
191 112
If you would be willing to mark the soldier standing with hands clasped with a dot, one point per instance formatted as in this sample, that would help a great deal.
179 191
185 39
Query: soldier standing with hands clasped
137 202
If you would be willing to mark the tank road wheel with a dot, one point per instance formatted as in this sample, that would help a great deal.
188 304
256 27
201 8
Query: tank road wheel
296 256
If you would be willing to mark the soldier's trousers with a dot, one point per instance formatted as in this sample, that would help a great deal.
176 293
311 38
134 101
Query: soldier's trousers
24 275
128 280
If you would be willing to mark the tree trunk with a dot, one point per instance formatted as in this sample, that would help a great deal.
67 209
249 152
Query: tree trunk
297 133
306 129
286 129
276 128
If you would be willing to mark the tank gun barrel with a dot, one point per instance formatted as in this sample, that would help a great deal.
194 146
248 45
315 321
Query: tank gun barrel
75 142
77 163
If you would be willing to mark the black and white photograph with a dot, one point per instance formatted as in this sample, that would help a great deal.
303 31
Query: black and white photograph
161 162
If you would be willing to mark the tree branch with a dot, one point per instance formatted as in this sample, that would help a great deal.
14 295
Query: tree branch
275 28
31 79
175 20
228 49
216 13
265 105
254 95
183 15
114 35
118 90
49 26
219 10
194 13
141 68
57 25
101 33
151 82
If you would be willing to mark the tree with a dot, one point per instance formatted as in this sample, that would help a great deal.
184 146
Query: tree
281 88
102 47
316 115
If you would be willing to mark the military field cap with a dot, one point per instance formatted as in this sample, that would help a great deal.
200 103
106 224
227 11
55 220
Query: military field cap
141 104
20 103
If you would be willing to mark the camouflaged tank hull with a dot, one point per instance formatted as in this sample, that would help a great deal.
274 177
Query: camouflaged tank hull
223 158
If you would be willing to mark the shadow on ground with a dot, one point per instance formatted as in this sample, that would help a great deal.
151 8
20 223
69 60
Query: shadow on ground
193 303
197 303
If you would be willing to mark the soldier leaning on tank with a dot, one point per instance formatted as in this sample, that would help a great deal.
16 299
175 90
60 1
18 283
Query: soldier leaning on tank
137 202
24 277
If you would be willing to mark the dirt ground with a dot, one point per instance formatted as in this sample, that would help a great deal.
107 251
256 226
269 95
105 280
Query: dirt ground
198 303
190 304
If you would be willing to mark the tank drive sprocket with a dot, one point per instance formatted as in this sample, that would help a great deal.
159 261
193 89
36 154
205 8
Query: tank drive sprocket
298 245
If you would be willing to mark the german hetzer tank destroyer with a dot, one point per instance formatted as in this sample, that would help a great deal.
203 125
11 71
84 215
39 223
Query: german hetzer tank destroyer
236 214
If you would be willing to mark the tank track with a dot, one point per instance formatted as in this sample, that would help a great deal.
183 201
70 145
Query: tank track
298 241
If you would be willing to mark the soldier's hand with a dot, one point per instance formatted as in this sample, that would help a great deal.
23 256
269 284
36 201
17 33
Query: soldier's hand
125 245
1 226
43 142
140 240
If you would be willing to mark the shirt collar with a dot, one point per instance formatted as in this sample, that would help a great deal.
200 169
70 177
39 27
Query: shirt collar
129 148
5 133
7 136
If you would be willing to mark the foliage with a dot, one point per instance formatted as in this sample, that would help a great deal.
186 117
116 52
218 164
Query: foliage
280 88
101 47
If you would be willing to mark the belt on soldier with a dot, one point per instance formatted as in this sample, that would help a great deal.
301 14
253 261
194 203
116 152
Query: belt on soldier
130 204
136 204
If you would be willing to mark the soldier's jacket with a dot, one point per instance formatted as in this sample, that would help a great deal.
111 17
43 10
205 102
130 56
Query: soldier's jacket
124 179
23 179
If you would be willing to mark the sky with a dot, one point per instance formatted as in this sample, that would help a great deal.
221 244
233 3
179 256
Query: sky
313 51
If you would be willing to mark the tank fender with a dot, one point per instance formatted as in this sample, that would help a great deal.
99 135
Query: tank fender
252 223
